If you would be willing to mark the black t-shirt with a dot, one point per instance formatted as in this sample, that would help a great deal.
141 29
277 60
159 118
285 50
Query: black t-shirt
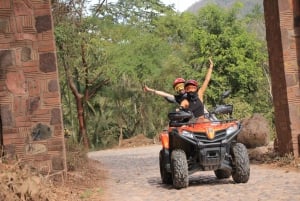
195 104
178 98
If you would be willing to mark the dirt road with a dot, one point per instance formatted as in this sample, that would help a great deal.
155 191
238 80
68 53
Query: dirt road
134 176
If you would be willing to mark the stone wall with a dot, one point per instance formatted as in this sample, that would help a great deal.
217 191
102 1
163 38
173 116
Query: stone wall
282 19
31 118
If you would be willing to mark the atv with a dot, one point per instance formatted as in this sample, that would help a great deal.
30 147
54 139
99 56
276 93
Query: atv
211 145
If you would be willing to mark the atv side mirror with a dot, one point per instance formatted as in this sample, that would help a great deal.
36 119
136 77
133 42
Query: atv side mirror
226 94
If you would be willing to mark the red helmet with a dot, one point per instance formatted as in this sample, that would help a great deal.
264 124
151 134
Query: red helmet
191 82
178 81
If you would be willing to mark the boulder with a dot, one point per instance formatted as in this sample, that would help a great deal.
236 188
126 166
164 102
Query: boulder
255 132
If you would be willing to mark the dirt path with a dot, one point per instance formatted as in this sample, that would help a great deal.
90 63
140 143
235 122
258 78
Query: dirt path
134 176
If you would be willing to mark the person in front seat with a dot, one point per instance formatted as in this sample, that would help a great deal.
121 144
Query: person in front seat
194 99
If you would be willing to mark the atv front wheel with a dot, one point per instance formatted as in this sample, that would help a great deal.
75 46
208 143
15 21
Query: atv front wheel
222 174
166 176
179 168
241 166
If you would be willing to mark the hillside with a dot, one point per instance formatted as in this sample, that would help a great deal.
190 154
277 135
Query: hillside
248 4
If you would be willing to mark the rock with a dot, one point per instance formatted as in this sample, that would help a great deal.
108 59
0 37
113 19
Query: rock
138 140
257 153
262 153
255 132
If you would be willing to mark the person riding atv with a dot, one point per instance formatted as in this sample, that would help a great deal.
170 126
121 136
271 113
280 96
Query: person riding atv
190 146
178 86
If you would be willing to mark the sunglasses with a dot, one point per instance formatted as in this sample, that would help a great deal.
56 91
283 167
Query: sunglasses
179 87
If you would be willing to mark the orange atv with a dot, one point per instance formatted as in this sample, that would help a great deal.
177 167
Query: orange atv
189 146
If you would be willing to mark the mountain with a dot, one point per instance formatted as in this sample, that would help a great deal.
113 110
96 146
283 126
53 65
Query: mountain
248 5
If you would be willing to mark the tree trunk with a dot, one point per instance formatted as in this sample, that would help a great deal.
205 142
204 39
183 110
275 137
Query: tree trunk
81 121
121 136
80 110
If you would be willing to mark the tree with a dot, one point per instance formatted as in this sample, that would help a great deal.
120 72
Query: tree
83 67
109 54
91 51
237 53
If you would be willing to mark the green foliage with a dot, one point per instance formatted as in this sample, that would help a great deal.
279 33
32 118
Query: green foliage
237 55
246 6
132 43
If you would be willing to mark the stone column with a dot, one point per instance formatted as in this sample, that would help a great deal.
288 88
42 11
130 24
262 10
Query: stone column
31 114
283 30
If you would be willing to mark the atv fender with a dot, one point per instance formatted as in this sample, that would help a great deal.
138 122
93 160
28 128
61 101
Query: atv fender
164 138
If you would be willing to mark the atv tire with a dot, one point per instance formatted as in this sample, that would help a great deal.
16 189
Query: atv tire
222 174
179 168
241 165
166 176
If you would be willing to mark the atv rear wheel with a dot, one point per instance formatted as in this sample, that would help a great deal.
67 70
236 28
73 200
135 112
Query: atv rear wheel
179 168
166 176
222 174
241 165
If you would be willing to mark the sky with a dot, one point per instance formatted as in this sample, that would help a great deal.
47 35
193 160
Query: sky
180 5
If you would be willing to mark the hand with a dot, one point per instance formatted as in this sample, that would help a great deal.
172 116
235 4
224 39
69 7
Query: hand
146 88
180 109
211 62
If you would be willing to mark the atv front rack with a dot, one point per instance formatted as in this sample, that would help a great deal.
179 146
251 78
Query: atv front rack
194 121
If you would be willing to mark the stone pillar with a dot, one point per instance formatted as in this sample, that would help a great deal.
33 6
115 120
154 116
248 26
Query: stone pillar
30 104
283 30
1 137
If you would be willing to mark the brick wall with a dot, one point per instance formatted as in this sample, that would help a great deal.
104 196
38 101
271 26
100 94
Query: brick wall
30 105
282 19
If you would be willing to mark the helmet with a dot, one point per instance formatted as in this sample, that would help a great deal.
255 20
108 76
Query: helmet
191 82
178 81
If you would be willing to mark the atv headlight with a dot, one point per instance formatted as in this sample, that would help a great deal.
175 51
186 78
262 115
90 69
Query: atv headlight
188 134
231 130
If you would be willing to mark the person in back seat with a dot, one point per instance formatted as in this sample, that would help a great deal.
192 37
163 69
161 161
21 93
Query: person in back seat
178 86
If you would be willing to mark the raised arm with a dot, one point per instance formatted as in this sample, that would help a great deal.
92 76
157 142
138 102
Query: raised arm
206 81
160 93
